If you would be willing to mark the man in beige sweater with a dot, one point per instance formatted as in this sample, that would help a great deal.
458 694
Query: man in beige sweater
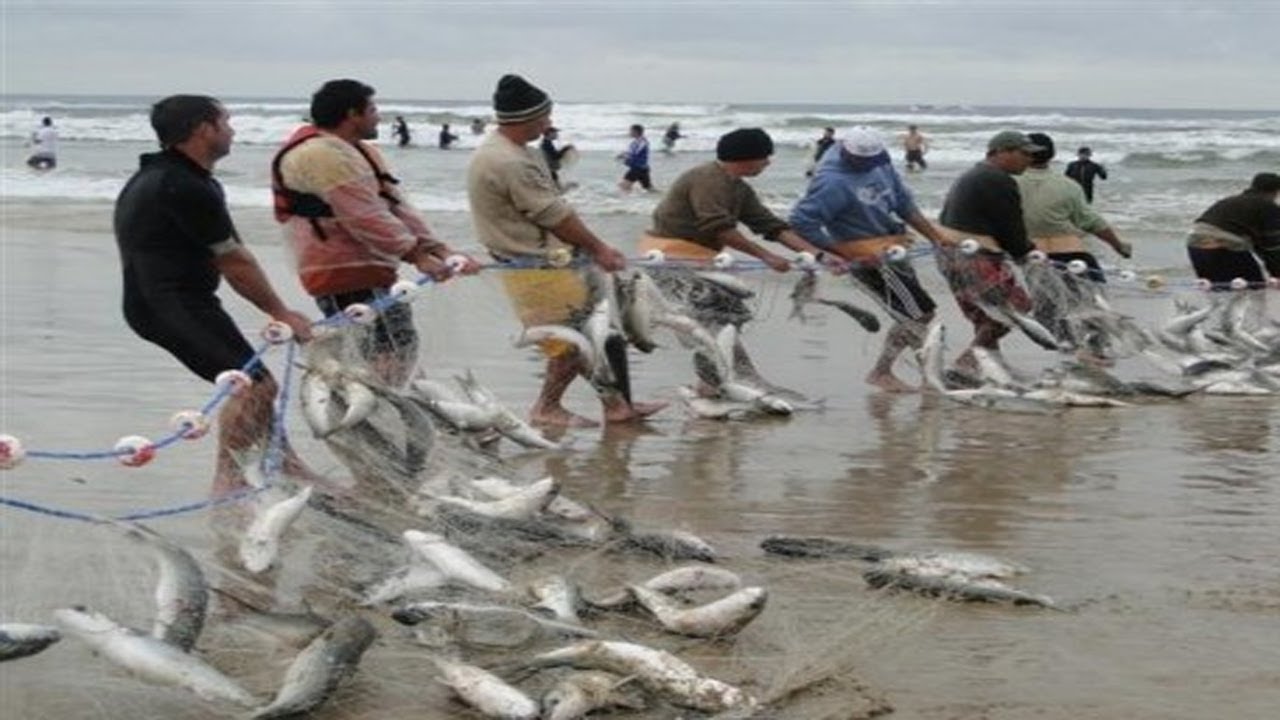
521 217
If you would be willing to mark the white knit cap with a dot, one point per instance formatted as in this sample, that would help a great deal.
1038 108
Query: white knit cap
862 141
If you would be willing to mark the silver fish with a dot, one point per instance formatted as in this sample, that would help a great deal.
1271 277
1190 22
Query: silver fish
456 563
580 693
542 333
956 587
405 581
487 693
557 596
19 640
658 671
320 668
726 616
514 427
803 293
713 408
527 502
182 595
865 318
260 545
151 659
486 626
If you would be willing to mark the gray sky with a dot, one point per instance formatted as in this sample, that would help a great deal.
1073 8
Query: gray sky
1128 53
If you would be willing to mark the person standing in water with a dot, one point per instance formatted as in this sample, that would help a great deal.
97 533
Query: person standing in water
400 129
1083 170
552 154
915 145
1226 238
447 139
45 142
177 243
820 147
670 137
636 158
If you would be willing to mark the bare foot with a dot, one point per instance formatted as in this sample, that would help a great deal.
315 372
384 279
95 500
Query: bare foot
966 362
635 411
560 417
889 383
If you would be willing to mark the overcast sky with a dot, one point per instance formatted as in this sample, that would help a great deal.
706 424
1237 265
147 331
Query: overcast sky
1126 53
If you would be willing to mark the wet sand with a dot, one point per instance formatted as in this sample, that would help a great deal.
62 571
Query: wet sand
1154 525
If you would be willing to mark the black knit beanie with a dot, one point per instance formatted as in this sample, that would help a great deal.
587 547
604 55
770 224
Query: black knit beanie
517 101
744 144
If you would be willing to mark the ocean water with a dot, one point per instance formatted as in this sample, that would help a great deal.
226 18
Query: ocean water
1153 525
1165 166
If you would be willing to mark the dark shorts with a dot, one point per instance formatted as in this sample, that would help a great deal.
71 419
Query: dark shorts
42 162
195 330
984 277
917 157
896 287
392 333
1220 266
1094 272
640 175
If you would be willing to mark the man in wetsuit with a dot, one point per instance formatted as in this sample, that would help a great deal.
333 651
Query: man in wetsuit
177 242
984 205
400 129
1083 170
1227 236
819 148
552 154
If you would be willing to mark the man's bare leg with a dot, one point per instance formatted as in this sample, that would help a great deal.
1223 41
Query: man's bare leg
548 408
617 410
902 336
244 422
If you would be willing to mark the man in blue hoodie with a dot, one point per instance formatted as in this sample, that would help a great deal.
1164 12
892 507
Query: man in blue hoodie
857 207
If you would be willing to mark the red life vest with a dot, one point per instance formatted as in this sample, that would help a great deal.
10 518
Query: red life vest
289 203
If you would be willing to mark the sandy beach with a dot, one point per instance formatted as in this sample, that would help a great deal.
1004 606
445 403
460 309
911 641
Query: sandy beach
1150 524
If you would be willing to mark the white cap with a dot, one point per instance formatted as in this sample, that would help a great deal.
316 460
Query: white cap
862 141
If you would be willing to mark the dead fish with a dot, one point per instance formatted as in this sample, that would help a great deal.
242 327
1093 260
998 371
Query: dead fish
260 546
578 694
658 671
955 587
558 597
525 503
820 547
151 659
490 695
18 640
454 562
320 668
865 318
804 292
726 616
182 595
486 626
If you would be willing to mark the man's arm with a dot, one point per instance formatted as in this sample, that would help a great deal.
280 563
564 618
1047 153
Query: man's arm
245 276
576 233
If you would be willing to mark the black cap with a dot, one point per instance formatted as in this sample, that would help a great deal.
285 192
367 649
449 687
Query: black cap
1046 151
516 100
1265 182
744 144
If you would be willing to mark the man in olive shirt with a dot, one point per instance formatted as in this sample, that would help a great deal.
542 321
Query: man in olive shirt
699 217
520 216
983 204
1225 239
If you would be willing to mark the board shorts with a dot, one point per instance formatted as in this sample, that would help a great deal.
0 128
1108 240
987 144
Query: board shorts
1221 266
195 330
548 296
640 175
983 277
917 157
393 333
895 286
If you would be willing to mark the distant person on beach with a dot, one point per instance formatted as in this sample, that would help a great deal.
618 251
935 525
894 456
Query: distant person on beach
820 147
1226 238
477 126
520 216
858 207
401 130
45 141
670 137
914 145
552 154
1057 217
1083 170
636 158
698 218
349 226
177 242
984 205
447 138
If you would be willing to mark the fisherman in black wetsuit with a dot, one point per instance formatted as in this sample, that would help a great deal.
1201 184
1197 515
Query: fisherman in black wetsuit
400 129
176 243
552 154
1083 170
447 139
